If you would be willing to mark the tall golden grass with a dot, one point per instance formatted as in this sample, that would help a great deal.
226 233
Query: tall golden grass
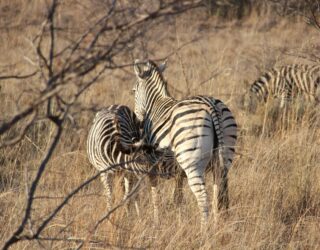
275 178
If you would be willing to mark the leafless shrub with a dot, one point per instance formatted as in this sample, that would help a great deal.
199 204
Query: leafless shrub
66 63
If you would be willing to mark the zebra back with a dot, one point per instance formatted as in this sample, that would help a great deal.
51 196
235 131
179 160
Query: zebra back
307 79
127 126
115 131
288 81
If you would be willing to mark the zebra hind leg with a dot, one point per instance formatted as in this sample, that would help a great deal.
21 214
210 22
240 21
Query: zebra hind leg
196 183
223 195
220 192
215 194
220 199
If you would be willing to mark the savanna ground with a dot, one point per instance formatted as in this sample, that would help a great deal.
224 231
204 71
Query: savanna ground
275 179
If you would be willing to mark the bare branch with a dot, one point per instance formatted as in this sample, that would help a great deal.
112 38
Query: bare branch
313 11
83 62
16 235
18 77
51 15
22 133
129 196
73 193
26 112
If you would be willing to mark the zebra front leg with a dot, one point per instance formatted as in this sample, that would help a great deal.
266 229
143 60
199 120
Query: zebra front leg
284 107
126 193
155 199
128 181
106 179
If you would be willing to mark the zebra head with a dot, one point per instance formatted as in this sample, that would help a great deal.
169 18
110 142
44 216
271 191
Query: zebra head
149 85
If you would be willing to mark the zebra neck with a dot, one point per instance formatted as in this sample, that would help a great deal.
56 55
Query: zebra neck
159 107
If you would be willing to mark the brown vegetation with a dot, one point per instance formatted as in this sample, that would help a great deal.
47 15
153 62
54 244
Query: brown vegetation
275 179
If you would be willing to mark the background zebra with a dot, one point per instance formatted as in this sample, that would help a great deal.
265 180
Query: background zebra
285 82
191 129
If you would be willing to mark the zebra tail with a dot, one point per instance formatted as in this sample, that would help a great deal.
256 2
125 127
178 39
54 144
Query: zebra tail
226 129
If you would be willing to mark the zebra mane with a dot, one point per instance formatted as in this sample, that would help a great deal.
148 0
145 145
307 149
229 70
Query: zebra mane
149 69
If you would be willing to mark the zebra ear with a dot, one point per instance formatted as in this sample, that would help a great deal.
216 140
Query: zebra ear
163 66
136 67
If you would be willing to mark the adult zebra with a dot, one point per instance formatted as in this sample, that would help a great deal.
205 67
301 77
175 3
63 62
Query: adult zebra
285 82
193 129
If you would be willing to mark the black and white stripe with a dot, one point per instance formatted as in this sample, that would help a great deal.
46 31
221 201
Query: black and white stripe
114 140
193 130
285 82
225 129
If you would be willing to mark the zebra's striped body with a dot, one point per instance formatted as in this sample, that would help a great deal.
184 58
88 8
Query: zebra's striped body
192 129
113 139
285 82
226 137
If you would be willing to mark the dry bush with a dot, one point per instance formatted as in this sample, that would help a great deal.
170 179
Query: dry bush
274 182
240 9
270 119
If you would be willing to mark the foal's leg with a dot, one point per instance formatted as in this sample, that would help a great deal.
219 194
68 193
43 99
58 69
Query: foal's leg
106 179
155 199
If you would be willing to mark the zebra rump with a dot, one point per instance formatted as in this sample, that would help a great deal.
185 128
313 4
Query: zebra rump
115 132
225 128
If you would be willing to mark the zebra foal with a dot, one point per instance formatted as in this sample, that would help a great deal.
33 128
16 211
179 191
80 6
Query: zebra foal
286 83
196 130
115 139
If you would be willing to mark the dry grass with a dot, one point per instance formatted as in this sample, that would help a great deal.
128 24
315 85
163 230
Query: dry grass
275 180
